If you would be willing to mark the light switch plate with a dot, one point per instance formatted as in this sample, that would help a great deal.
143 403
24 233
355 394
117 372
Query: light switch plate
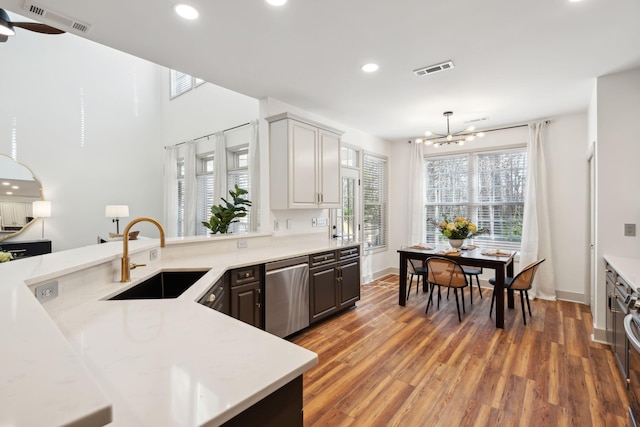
630 230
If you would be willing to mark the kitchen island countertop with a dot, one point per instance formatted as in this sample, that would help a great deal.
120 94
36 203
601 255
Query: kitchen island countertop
154 362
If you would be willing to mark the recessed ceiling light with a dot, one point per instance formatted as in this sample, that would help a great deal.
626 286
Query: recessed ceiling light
6 183
185 11
370 68
276 2
9 193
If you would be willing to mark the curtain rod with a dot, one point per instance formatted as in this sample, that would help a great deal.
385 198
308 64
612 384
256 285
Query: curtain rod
207 136
546 122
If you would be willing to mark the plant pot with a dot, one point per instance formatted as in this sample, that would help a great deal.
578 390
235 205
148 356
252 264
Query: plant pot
456 243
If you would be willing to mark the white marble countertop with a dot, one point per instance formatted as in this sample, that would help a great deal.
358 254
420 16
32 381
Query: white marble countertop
627 267
143 362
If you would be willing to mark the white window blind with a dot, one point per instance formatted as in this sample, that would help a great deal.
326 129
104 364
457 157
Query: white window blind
180 227
239 174
486 187
181 83
374 188
206 184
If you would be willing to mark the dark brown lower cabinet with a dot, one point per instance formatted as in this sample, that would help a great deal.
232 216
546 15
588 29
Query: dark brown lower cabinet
334 282
246 303
281 408
323 291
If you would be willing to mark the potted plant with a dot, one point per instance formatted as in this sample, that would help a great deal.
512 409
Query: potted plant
223 215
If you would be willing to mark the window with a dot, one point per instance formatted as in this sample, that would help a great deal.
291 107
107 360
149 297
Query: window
345 221
487 187
238 173
374 183
180 167
181 83
206 183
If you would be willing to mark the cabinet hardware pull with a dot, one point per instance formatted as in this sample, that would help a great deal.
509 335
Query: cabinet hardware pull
247 274
211 298
606 270
613 310
618 284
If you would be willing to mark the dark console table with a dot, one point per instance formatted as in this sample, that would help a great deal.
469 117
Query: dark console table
27 248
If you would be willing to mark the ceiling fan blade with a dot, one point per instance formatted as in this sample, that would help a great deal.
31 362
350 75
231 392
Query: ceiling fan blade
37 27
3 38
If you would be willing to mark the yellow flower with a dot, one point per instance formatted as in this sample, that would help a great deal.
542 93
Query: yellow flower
472 227
451 226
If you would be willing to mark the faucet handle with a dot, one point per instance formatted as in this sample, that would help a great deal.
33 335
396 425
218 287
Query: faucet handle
132 266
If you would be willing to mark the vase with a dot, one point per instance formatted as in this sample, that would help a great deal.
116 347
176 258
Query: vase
456 243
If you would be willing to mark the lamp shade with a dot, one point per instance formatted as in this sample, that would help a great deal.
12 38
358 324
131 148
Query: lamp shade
42 208
116 211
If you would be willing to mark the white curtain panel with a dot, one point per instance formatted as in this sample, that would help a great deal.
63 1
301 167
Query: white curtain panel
416 219
536 235
190 189
220 168
254 176
171 191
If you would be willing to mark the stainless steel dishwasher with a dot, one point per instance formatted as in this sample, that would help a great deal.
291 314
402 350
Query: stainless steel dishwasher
286 296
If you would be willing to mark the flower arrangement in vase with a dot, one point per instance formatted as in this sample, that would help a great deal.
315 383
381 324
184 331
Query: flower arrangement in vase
457 230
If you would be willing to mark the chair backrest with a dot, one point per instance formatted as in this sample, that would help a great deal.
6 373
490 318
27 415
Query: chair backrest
524 280
411 269
445 272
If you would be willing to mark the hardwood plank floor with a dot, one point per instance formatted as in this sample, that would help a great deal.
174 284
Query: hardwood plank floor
386 365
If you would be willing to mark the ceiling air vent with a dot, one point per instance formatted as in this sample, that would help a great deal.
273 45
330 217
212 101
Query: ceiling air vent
434 68
56 19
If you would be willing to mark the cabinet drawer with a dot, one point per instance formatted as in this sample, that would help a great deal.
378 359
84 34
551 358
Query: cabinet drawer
348 253
216 297
322 258
240 276
611 273
623 288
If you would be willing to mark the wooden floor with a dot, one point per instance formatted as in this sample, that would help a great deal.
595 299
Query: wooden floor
381 364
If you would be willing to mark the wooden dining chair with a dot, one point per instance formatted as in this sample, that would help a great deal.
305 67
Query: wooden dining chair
521 282
444 272
415 268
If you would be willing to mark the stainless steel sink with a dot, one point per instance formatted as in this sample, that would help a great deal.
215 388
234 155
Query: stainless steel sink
166 284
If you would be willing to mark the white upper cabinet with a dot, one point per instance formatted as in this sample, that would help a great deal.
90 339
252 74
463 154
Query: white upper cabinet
304 163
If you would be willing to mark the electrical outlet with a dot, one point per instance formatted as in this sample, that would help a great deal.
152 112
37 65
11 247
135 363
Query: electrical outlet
289 224
47 292
276 225
242 244
153 254
630 230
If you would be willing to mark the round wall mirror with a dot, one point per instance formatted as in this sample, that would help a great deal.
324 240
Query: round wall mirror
19 188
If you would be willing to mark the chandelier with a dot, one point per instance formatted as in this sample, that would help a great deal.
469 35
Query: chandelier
459 138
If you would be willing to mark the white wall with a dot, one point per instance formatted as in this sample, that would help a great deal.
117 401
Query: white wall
565 152
128 119
618 174
112 157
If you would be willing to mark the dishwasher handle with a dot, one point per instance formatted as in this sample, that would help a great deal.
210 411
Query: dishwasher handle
282 264
628 328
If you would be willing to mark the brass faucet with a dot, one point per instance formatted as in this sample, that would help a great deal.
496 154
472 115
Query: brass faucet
125 264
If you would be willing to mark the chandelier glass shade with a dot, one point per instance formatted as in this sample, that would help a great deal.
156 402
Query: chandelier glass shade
458 138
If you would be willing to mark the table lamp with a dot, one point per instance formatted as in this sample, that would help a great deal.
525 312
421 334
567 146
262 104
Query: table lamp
116 212
42 209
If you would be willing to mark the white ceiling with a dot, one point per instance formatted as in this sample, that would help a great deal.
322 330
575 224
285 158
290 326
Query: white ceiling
515 61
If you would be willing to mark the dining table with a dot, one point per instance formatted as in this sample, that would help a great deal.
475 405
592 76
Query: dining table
501 261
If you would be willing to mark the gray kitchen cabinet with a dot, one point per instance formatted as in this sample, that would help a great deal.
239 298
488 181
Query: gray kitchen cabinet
618 295
304 163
